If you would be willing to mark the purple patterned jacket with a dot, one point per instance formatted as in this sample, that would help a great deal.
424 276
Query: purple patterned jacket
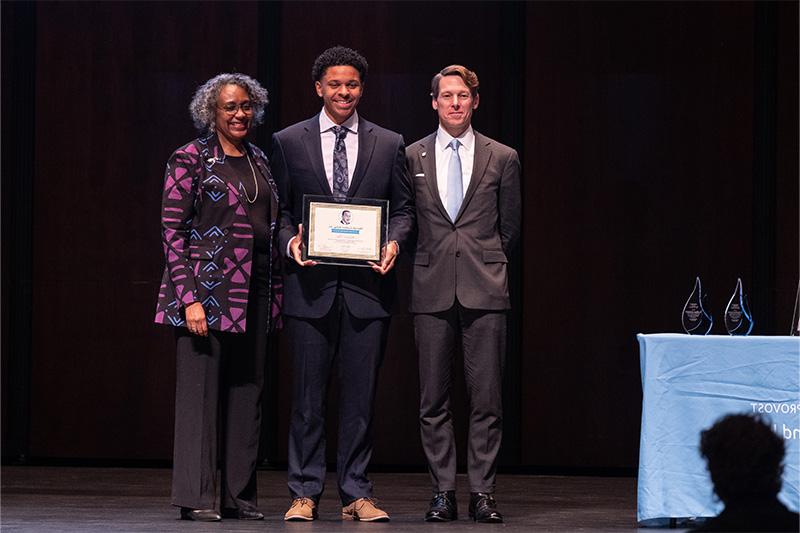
207 237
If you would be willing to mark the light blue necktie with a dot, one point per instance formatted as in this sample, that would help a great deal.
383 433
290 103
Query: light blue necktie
455 188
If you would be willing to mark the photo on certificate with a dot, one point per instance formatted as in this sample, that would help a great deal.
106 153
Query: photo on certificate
349 232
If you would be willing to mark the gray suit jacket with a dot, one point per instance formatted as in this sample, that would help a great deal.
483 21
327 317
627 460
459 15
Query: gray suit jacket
466 259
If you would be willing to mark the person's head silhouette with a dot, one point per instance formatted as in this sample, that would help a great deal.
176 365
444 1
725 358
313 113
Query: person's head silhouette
744 458
745 461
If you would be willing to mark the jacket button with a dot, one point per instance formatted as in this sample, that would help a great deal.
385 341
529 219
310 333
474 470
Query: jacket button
458 254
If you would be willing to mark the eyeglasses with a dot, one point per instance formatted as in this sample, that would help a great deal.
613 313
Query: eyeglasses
232 109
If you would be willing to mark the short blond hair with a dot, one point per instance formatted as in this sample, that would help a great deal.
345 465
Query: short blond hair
469 77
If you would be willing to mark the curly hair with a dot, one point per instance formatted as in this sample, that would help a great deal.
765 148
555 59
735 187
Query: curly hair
339 55
744 457
203 107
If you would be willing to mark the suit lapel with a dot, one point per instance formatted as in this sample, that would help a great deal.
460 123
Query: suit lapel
313 147
482 156
366 145
427 158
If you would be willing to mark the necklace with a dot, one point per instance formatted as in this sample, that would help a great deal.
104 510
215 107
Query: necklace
255 181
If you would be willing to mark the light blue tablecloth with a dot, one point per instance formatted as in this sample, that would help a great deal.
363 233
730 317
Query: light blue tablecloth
688 382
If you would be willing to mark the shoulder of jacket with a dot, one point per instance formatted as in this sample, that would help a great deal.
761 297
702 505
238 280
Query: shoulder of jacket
192 150
296 128
258 152
416 144
378 130
495 146
428 143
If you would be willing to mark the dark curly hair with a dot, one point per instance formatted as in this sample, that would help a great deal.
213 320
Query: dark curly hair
204 103
339 55
744 457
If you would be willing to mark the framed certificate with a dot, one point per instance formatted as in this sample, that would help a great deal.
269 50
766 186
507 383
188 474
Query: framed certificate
349 232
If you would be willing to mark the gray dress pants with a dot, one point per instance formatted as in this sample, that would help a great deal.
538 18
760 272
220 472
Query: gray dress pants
482 336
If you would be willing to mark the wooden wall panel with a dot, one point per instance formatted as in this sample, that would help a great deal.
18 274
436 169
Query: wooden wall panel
114 82
639 153
636 127
787 194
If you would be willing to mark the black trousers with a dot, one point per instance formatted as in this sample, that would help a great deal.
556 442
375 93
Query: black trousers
483 339
218 407
356 347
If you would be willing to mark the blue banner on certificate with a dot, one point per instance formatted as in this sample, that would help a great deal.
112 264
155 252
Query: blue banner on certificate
349 232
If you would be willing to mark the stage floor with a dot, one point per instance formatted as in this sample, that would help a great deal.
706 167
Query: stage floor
137 500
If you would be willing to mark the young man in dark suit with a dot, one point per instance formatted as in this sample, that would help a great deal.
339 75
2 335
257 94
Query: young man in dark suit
467 195
336 312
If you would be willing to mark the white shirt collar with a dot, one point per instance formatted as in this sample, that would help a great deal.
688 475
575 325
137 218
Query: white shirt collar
467 139
325 123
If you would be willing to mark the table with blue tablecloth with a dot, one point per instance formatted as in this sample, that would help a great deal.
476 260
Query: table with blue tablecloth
689 382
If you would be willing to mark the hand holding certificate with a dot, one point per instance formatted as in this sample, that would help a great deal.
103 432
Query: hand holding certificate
388 255
352 232
296 248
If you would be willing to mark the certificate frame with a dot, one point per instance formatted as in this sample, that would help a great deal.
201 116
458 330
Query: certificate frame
347 232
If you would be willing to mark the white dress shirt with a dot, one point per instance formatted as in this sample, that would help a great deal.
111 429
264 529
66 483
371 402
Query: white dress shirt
443 154
328 140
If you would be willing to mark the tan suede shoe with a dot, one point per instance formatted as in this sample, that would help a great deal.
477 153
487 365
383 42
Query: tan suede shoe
365 510
302 509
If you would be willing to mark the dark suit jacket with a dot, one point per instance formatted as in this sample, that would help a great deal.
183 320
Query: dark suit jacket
207 236
380 173
466 259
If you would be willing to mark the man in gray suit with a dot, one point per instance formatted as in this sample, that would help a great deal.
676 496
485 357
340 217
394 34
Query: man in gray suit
467 193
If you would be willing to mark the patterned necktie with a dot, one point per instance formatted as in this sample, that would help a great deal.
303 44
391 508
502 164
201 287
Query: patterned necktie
455 188
340 185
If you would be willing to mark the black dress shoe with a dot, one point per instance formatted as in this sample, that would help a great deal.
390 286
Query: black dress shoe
443 507
243 514
200 515
483 508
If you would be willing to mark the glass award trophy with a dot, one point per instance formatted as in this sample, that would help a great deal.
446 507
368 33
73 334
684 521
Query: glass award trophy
696 321
795 330
738 320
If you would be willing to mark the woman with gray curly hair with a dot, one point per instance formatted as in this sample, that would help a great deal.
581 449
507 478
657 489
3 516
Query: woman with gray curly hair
219 208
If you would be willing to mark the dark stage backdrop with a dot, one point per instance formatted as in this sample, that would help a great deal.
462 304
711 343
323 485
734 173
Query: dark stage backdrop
659 142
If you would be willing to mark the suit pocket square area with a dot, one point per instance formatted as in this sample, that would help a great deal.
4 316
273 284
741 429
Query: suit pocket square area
421 259
494 256
419 175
